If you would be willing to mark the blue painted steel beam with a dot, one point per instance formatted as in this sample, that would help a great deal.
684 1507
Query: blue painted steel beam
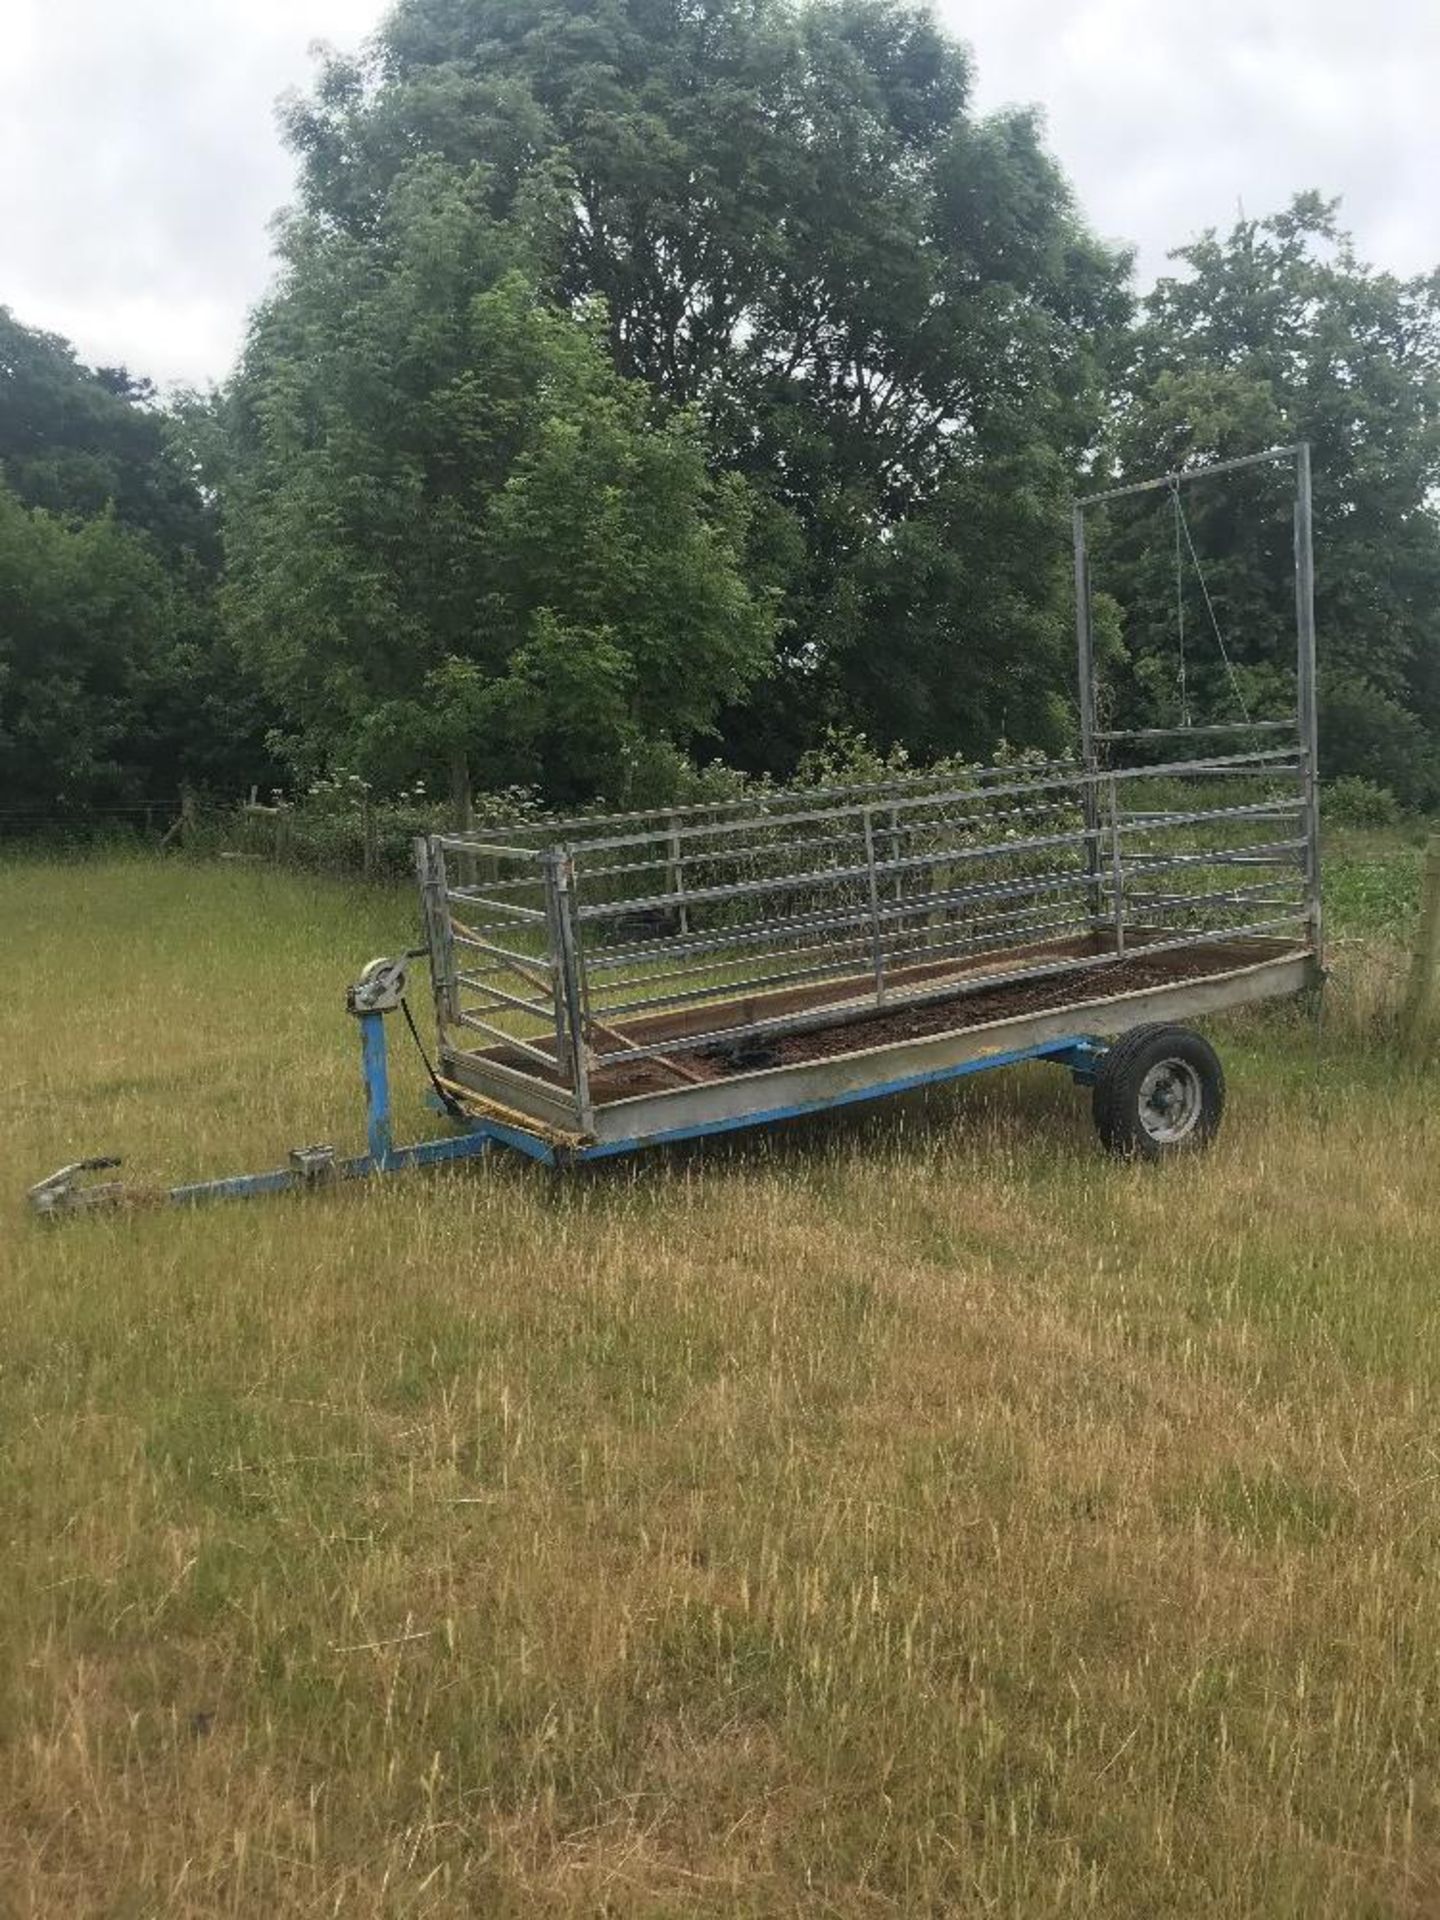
246 1186
379 1130
1078 1052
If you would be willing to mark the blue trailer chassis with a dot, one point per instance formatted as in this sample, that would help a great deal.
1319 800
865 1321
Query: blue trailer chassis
477 1130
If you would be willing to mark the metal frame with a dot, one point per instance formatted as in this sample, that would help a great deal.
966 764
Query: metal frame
1304 723
670 934
572 954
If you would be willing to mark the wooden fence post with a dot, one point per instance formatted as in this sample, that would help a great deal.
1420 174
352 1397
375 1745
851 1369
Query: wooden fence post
1421 1018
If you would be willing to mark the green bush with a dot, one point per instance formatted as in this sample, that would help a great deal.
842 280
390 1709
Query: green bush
1354 801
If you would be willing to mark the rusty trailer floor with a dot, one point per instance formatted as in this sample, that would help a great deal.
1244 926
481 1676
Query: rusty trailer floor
859 1025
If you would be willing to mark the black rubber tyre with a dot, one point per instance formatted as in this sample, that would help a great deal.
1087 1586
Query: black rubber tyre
1159 1091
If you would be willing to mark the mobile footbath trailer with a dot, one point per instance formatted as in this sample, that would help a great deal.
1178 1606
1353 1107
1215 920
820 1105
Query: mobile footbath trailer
610 983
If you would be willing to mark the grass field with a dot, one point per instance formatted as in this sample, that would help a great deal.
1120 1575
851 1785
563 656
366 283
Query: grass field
912 1513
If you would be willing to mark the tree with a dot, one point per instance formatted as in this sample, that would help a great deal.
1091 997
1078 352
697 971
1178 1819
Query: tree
87 617
879 305
115 680
1277 332
454 531
79 441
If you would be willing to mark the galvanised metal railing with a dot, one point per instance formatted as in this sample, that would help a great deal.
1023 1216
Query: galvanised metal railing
573 949
656 936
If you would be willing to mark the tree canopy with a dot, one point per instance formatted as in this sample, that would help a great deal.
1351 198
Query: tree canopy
456 531
116 679
884 310
652 381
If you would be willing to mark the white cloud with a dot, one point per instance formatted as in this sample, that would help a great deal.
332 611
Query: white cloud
140 164
1169 118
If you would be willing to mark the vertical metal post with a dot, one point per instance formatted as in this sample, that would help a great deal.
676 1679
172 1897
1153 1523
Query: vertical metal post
675 875
877 953
379 1132
565 967
1117 873
1308 704
1085 665
439 936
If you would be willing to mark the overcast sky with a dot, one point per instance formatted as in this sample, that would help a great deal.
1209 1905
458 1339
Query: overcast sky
140 164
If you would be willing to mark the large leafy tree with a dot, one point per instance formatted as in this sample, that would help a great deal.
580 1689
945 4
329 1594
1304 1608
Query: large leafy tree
79 441
89 622
881 306
1272 333
455 532
116 682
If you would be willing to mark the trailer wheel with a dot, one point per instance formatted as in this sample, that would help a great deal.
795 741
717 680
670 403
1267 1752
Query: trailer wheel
1159 1091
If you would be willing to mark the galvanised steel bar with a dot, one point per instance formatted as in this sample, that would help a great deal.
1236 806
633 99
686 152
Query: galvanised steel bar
539 962
472 1021
857 970
1219 727
1116 874
837 921
848 957
571 991
722 989
1085 652
1008 784
439 931
462 843
1305 654
473 897
787 849
541 1009
1271 854
876 951
753 806
1212 470
818 878
1072 782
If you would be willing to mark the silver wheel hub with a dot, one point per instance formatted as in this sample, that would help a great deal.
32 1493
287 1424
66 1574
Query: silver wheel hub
1171 1100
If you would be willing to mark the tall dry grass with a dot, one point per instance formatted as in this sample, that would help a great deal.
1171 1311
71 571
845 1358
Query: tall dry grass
909 1513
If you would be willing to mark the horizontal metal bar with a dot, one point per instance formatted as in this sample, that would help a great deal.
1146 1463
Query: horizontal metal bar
461 897
538 962
914 906
820 878
892 917
866 1007
1219 727
1166 822
1272 854
1023 887
1076 779
1262 895
543 1009
472 1020
664 818
489 849
787 848
1010 931
1186 474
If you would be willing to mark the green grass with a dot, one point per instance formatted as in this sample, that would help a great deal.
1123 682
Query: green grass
907 1513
